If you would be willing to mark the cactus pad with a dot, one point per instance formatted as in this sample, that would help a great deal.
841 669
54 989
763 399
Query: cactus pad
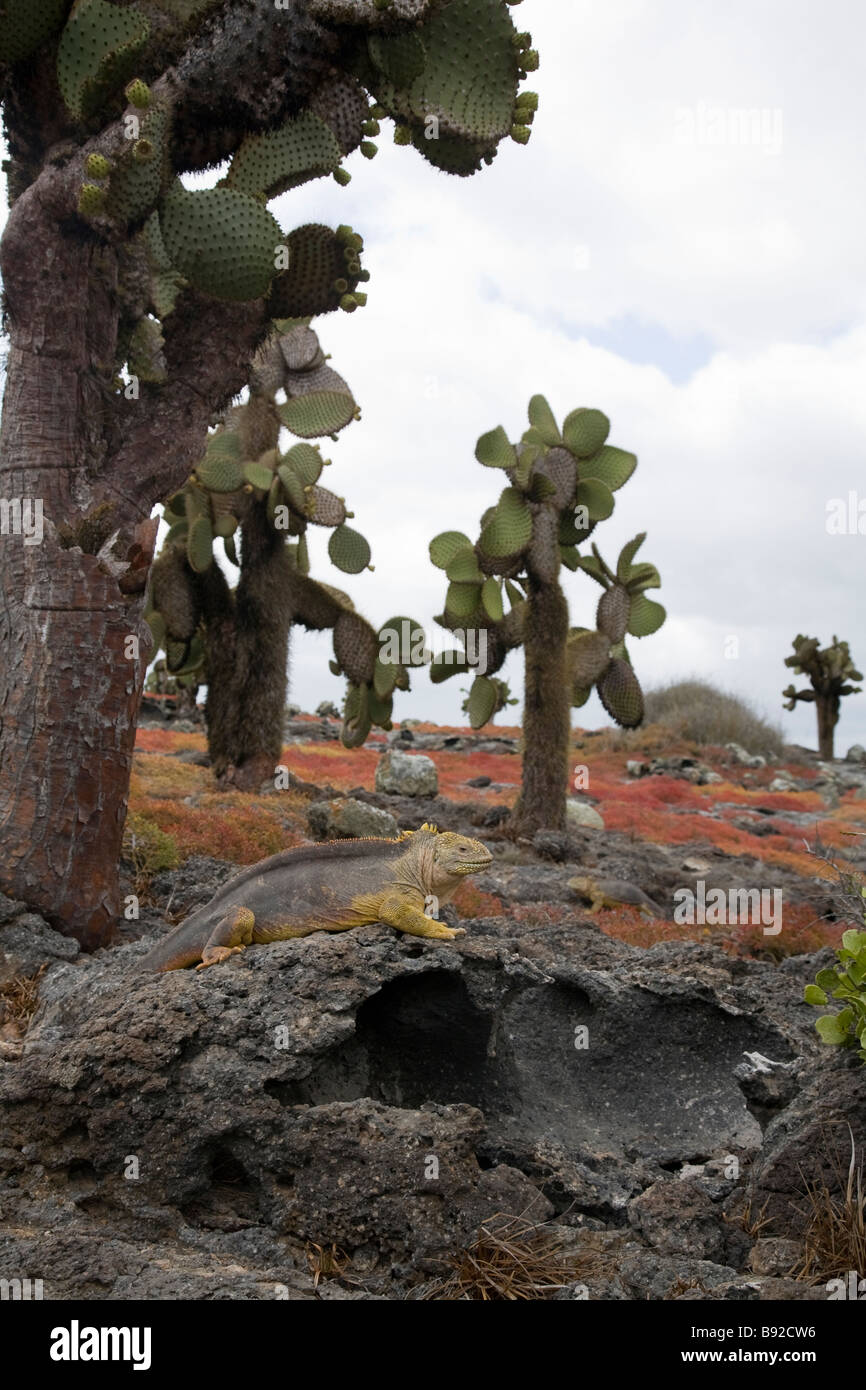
97 52
494 449
509 530
318 266
620 693
356 716
613 467
585 431
468 81
588 656
135 184
25 26
482 702
348 550
355 647
323 507
173 594
268 164
199 546
223 242
445 546
318 414
612 615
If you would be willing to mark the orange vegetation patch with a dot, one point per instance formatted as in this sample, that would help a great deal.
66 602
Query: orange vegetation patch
345 768
755 796
155 775
168 741
471 901
232 826
802 933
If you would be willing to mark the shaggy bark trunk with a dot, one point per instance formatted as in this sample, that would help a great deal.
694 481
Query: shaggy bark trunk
73 648
827 707
247 644
546 719
70 678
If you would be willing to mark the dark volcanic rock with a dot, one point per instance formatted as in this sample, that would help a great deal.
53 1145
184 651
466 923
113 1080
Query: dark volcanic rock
384 1094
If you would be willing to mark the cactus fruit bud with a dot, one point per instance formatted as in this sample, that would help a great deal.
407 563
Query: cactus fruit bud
529 61
91 199
137 93
521 134
142 151
349 303
364 275
341 286
528 99
360 297
371 127
402 135
368 149
342 177
97 166
377 112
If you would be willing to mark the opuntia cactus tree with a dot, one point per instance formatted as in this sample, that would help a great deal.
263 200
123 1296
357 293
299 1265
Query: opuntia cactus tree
246 490
504 591
830 672
134 304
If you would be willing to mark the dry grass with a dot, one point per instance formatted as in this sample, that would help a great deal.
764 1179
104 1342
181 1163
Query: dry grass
697 711
510 1259
835 1230
18 1000
326 1262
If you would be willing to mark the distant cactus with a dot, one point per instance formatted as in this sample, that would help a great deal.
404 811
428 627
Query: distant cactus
830 671
561 484
237 641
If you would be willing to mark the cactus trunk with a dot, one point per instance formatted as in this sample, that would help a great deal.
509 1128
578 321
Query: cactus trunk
828 717
246 644
546 720
70 680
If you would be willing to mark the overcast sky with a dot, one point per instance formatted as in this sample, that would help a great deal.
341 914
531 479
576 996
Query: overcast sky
681 244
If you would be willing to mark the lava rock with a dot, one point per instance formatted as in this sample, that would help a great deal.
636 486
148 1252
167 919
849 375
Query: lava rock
348 819
405 774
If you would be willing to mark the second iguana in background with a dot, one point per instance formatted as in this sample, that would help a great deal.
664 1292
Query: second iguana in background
329 887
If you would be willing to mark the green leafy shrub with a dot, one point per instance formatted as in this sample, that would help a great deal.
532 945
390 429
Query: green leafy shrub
846 980
148 848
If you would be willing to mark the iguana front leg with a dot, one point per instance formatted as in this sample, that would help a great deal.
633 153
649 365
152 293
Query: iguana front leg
231 934
396 911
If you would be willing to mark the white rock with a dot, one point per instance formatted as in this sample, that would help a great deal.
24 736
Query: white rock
580 815
406 774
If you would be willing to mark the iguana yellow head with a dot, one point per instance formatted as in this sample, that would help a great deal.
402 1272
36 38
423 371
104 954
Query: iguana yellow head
454 856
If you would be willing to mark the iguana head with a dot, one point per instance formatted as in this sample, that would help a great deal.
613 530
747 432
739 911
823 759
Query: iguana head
454 856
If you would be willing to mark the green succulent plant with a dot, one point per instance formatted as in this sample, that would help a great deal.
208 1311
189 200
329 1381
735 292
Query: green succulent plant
560 483
245 488
845 981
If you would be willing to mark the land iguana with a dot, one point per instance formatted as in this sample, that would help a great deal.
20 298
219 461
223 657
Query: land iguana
328 887
613 892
